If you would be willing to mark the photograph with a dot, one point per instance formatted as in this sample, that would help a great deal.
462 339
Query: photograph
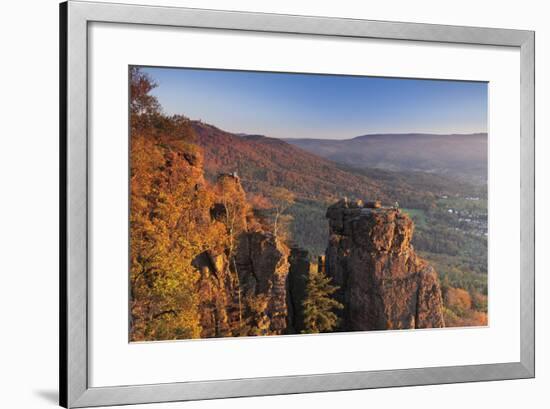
275 204
266 203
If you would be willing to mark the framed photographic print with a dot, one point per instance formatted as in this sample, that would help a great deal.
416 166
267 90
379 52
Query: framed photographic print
257 204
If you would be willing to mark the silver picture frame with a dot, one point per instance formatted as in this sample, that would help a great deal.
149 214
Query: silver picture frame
75 17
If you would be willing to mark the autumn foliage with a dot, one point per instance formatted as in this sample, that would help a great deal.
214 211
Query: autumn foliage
169 221
167 228
463 310
185 233
209 211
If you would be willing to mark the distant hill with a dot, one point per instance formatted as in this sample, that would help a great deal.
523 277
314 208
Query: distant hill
263 163
458 155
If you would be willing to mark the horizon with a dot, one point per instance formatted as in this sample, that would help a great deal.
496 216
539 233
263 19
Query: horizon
375 134
239 134
321 106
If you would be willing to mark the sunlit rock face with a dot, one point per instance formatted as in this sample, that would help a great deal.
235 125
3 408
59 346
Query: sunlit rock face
262 265
383 283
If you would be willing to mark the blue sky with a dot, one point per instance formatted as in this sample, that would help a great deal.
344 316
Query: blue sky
284 105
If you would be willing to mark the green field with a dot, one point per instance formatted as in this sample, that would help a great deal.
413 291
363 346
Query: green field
418 216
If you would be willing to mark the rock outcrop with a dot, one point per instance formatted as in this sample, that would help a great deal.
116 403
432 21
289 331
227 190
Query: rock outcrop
383 283
244 294
298 275
242 286
261 262
216 288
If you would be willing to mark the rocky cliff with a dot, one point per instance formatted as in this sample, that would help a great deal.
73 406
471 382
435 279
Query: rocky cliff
216 288
383 283
262 267
242 287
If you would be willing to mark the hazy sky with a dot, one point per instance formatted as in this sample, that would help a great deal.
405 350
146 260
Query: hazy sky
321 106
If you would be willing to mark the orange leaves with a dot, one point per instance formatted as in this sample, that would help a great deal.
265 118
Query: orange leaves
169 225
462 309
259 202
458 298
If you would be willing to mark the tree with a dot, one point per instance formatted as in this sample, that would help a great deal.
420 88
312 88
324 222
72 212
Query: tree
235 214
282 199
143 105
163 300
169 220
319 305
236 208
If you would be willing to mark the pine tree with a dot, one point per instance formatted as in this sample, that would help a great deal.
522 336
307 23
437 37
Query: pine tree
319 305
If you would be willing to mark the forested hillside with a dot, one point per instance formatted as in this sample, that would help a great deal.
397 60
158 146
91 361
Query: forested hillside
462 156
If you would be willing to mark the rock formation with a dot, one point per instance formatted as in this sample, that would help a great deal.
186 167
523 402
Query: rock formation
244 294
242 287
383 283
262 266
216 288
